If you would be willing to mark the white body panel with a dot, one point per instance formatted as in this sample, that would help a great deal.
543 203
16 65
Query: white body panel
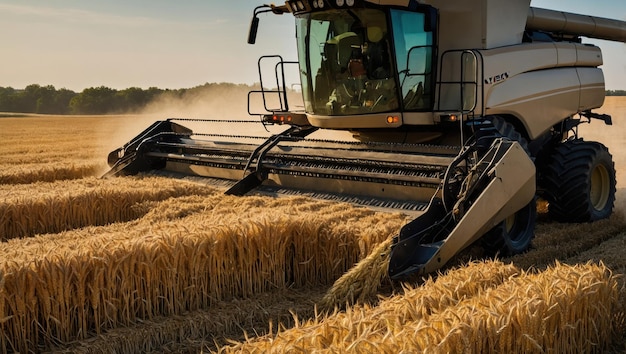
480 24
543 83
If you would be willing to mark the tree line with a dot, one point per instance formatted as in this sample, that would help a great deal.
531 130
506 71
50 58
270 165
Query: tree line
104 100
95 100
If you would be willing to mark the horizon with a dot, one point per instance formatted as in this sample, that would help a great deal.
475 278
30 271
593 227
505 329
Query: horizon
184 88
76 44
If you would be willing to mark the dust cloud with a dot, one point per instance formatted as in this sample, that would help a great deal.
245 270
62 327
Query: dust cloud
214 101
223 101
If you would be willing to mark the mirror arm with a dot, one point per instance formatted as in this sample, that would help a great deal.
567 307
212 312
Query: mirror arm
254 24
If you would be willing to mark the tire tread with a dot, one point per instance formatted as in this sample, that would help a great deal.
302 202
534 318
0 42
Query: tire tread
568 182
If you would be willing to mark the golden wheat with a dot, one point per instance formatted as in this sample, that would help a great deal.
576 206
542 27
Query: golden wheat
98 279
53 207
195 251
40 172
416 303
563 309
49 148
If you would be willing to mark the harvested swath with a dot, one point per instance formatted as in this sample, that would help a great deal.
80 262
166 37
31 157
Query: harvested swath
563 309
416 303
30 209
45 154
25 174
194 331
61 288
176 208
556 241
217 210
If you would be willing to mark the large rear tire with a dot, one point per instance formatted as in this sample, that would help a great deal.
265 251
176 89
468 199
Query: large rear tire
580 182
513 235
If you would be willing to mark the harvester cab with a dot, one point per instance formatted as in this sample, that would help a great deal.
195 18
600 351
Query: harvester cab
459 116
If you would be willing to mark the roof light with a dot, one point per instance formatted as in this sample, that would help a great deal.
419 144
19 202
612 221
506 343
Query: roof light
350 2
320 3
340 2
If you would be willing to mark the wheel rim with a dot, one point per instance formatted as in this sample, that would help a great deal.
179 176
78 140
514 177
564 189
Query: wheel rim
599 191
516 226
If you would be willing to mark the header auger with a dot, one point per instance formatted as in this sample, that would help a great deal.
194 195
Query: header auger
462 113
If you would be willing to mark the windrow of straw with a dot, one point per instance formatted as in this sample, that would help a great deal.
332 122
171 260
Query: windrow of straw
50 172
65 287
361 282
415 303
562 309
31 209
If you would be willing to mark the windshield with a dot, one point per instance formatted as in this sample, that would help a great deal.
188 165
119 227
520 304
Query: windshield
414 54
345 62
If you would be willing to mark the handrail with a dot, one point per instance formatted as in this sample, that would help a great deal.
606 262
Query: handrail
281 85
476 81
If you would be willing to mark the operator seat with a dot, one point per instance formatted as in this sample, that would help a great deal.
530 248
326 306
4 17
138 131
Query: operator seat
377 54
339 50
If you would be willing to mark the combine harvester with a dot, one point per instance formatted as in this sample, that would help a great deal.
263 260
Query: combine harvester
463 112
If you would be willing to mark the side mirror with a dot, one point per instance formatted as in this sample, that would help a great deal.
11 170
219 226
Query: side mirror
254 27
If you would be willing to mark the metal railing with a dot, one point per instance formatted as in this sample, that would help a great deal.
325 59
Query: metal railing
467 101
277 95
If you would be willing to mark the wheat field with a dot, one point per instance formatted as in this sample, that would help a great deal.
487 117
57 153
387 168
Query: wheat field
151 264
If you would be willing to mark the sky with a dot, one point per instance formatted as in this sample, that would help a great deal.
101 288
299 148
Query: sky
76 44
